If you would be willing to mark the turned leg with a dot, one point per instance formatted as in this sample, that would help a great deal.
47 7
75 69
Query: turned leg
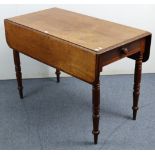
137 80
18 72
58 75
96 109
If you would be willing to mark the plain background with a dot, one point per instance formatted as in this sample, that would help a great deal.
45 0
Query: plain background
139 16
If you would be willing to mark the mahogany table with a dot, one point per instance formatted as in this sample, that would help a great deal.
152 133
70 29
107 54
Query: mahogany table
78 45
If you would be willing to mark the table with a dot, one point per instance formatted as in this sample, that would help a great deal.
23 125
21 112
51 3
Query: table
78 45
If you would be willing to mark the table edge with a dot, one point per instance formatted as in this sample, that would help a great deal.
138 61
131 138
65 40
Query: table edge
145 34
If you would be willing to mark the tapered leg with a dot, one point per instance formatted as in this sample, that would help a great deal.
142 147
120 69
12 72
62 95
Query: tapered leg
18 72
96 109
137 80
58 75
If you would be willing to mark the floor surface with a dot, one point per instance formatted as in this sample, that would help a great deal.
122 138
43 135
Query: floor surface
58 115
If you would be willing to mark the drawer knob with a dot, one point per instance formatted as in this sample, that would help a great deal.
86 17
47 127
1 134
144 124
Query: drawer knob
124 50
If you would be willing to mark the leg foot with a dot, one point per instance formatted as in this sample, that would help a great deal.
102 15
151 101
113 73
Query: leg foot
96 109
137 80
18 72
58 75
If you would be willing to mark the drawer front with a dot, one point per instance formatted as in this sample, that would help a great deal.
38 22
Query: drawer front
121 52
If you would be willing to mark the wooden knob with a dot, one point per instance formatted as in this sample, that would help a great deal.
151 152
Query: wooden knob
124 50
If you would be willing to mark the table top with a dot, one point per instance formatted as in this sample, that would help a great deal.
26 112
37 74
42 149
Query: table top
92 33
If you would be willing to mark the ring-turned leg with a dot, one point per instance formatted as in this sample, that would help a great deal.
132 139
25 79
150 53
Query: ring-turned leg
58 75
18 72
96 110
137 80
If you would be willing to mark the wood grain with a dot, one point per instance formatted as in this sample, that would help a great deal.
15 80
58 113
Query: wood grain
57 72
96 110
117 54
85 31
74 60
18 72
137 80
78 45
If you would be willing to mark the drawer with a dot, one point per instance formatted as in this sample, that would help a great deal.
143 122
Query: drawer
121 52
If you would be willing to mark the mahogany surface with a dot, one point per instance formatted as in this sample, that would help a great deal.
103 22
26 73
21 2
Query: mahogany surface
79 45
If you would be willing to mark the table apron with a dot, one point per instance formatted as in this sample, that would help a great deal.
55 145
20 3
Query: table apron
117 53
